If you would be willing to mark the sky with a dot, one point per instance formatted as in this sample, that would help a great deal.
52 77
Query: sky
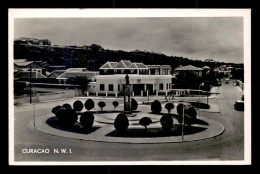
217 38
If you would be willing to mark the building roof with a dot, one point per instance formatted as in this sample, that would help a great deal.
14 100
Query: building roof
23 63
19 60
123 64
74 74
56 73
188 68
77 69
205 67
26 74
108 65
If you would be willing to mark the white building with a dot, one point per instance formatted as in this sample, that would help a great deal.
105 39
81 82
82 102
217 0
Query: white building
111 80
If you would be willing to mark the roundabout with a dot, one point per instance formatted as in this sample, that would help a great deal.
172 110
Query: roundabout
103 130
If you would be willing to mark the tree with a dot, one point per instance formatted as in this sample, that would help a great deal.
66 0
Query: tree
169 107
115 104
101 104
156 107
121 122
67 117
166 122
145 121
66 105
89 104
134 104
188 79
78 105
82 81
87 120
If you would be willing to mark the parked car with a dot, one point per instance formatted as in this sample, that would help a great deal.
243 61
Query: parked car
239 105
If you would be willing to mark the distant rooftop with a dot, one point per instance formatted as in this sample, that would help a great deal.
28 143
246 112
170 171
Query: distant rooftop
26 74
188 68
205 67
77 69
74 74
56 73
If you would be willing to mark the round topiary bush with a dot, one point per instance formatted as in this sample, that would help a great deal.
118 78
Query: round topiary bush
145 121
187 119
78 105
67 117
87 120
156 107
134 104
191 111
101 104
115 104
55 109
169 107
66 105
180 109
121 122
89 104
166 122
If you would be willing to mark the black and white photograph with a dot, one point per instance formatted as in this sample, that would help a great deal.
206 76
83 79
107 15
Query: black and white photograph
129 86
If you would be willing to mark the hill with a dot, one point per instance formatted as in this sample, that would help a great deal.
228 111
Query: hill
94 56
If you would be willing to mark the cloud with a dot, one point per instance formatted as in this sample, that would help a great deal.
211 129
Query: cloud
197 38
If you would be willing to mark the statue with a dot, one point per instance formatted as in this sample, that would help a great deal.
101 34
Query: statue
127 80
127 95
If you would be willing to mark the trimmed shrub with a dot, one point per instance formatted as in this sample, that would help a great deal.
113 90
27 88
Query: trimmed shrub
78 105
156 107
89 104
187 119
55 109
166 122
121 122
101 104
87 120
180 109
134 104
192 113
115 104
145 121
67 106
67 117
169 107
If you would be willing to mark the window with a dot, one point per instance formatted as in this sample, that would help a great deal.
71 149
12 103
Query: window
118 88
102 87
166 86
110 87
161 86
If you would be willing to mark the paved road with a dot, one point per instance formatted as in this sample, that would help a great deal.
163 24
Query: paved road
228 146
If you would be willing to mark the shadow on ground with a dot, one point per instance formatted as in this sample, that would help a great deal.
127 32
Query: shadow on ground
156 132
76 128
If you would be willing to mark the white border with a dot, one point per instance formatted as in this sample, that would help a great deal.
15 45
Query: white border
108 13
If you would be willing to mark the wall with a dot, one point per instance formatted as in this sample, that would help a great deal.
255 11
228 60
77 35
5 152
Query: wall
40 97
